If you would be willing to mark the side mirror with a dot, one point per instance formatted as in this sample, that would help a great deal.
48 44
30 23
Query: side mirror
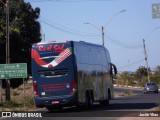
113 68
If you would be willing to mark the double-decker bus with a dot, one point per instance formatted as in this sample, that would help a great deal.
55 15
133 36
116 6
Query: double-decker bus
71 73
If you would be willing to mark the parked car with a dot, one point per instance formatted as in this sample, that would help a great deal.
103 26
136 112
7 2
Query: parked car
150 87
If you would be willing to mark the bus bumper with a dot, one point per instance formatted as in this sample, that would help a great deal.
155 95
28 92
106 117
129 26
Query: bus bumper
64 101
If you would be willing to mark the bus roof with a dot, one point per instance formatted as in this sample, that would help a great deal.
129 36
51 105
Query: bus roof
66 41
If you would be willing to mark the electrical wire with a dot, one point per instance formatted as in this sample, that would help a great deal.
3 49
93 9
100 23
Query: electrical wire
75 32
131 64
121 44
64 30
71 31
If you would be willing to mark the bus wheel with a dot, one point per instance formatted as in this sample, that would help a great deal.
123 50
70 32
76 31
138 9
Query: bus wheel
109 95
88 99
106 102
91 97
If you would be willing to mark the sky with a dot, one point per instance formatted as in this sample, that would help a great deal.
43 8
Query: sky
124 31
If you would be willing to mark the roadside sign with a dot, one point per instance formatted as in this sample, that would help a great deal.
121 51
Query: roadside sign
0 90
156 10
15 70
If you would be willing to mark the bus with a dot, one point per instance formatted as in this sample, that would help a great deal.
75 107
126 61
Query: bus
69 73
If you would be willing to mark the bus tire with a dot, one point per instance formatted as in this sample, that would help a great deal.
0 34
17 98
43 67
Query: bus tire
88 99
109 94
91 96
106 102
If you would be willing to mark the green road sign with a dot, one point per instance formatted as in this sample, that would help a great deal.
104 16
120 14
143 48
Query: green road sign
15 70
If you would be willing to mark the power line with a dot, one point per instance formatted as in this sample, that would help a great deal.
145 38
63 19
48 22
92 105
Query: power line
131 64
75 32
69 29
121 44
63 30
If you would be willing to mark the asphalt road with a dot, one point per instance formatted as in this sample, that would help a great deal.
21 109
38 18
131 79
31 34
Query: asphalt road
121 106
128 89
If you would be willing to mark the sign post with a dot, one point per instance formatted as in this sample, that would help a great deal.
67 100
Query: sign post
0 90
15 70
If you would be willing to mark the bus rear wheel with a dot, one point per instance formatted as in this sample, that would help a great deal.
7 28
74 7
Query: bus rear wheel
89 99
106 102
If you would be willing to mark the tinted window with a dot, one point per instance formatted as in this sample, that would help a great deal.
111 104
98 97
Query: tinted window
151 84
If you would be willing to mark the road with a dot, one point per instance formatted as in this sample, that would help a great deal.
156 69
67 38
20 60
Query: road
128 89
120 106
137 96
128 106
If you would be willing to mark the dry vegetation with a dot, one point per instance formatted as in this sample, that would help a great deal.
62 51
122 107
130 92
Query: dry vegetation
19 101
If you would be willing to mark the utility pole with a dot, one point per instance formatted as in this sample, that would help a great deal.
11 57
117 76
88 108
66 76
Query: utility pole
103 27
102 36
44 37
7 50
128 72
145 53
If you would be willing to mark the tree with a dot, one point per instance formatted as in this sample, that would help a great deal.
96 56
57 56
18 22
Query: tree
24 31
156 76
158 69
141 73
123 78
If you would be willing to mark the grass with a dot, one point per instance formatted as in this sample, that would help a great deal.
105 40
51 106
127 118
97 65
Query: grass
9 104
19 101
28 101
158 107
127 93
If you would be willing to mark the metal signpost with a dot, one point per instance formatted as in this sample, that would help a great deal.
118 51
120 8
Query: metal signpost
15 70
156 10
0 90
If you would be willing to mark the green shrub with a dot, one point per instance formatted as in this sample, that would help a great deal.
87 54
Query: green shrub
9 104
